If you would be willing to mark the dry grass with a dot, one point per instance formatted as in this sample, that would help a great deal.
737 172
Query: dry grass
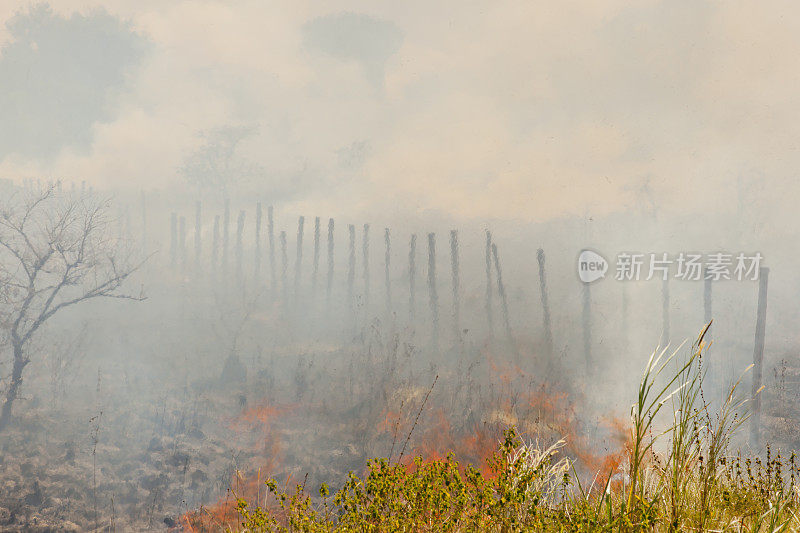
678 471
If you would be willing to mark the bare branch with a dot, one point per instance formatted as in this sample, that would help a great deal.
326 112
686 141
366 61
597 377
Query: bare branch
62 245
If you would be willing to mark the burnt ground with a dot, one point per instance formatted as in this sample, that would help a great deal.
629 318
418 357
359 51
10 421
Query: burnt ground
125 454
121 457
136 454
129 465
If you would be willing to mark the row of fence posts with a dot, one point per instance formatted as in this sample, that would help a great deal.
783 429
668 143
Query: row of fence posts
220 250
493 282
178 256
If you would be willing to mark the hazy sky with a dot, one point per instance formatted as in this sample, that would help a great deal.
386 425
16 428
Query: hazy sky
506 109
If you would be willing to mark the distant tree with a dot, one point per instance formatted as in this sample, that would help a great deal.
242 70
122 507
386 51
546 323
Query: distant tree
56 250
216 163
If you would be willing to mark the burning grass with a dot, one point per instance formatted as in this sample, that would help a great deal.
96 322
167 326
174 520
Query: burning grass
674 469
258 425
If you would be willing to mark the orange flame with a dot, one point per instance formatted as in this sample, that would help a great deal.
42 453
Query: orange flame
257 423
474 445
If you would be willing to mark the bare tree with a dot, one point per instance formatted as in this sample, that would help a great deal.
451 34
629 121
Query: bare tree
56 250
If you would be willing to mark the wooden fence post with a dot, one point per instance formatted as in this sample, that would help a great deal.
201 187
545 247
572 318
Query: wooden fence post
707 306
587 324
548 332
387 281
271 231
455 276
351 267
412 277
215 248
758 356
665 312
284 267
257 261
182 242
226 221
198 224
173 238
239 248
315 269
489 315
433 296
298 258
144 221
365 258
329 287
501 291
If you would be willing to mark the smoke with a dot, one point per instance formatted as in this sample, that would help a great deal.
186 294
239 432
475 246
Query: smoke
664 106
61 76
357 37
512 131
